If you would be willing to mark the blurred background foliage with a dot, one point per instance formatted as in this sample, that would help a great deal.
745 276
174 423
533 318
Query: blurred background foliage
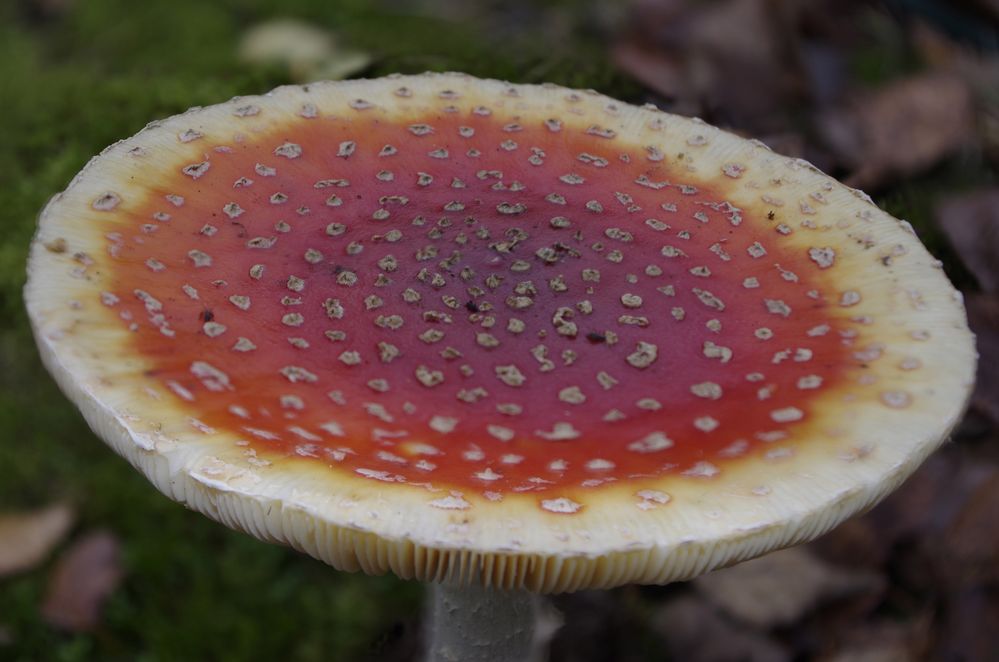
899 97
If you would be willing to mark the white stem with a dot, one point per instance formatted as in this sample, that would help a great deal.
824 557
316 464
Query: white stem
469 623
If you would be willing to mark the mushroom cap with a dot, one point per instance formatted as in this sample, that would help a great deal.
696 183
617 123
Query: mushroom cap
461 329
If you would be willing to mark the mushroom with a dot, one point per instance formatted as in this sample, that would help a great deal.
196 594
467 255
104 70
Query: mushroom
508 339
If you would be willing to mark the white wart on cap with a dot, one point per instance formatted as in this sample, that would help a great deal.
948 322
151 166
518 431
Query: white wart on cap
443 326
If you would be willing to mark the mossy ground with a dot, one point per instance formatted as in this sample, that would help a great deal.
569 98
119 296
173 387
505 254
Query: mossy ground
72 82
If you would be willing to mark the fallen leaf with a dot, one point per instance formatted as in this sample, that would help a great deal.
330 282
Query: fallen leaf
971 223
935 534
725 60
794 144
901 129
741 62
983 315
857 542
27 538
660 71
694 630
972 543
881 641
969 626
85 575
781 587
923 506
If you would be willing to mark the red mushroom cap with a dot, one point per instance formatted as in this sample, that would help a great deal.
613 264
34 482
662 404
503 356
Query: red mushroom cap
439 325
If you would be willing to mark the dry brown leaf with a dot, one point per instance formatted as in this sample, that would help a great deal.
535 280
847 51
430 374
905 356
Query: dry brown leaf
27 538
972 541
656 69
788 143
901 129
969 626
86 574
740 63
780 588
693 630
892 640
921 506
924 508
857 542
983 315
971 223
728 57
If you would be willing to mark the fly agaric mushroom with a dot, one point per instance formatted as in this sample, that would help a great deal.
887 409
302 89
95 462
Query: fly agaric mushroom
494 335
